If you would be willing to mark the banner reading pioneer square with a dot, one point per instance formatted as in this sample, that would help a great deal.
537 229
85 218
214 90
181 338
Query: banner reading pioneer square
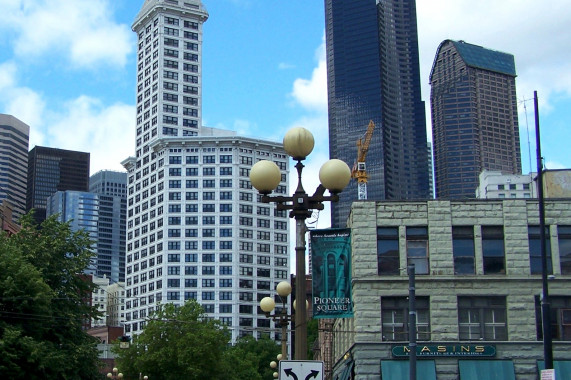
331 273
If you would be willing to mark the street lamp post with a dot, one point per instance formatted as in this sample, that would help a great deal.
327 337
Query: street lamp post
267 304
115 374
334 175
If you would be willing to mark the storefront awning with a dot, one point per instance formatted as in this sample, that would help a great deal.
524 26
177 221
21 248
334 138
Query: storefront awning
493 369
399 370
562 368
346 373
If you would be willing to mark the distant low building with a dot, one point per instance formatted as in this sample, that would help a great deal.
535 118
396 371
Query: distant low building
495 184
498 185
557 183
99 298
6 210
116 304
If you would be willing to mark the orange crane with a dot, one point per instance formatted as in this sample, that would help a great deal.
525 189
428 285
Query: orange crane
359 171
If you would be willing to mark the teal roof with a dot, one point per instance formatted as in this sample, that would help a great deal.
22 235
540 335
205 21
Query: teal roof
486 59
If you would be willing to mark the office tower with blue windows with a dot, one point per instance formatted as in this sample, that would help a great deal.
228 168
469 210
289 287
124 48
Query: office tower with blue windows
373 74
195 226
111 189
51 170
474 117
13 163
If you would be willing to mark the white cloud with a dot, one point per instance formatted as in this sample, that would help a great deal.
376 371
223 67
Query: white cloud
21 102
312 93
7 75
107 132
27 105
285 66
83 124
81 30
552 165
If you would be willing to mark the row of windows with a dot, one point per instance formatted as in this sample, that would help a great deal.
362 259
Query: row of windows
205 258
479 318
463 249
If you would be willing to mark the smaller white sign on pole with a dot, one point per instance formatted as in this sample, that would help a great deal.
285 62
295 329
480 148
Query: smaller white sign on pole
548 374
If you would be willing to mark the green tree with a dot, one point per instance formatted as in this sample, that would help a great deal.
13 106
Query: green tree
178 342
43 304
250 358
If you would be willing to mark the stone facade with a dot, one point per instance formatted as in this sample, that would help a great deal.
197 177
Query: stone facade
362 335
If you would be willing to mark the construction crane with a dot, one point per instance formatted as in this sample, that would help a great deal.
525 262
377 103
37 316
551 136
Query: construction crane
359 171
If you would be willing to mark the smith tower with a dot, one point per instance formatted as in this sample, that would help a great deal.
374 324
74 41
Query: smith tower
195 228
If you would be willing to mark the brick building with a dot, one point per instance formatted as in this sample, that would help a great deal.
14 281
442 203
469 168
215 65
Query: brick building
478 282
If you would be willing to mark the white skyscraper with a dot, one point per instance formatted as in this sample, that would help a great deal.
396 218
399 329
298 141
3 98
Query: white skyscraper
195 228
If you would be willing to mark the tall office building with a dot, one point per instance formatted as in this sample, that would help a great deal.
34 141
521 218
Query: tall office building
103 217
13 163
81 210
51 170
373 74
195 227
109 182
111 188
474 117
407 173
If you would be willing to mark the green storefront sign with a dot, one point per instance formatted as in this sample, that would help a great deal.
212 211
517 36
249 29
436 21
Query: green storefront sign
471 350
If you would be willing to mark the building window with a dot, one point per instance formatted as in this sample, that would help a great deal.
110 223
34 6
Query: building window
417 248
493 249
564 233
394 318
533 233
387 250
560 312
482 318
463 249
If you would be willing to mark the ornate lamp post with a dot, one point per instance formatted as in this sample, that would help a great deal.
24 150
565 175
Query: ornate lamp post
115 374
267 304
334 175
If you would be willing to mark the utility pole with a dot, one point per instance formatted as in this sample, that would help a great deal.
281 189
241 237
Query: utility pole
545 309
412 321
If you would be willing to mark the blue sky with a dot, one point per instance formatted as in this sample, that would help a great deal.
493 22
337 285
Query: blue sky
67 68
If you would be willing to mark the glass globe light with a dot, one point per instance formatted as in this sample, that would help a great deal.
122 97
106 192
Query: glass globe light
284 289
334 175
267 304
265 176
298 143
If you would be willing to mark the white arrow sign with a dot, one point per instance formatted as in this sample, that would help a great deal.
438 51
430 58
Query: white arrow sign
301 370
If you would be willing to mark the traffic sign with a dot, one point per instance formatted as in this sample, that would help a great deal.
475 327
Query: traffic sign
301 370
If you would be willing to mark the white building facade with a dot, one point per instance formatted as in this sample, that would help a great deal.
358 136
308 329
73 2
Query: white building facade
497 185
195 227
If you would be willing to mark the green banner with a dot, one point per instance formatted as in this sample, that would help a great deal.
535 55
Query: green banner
331 273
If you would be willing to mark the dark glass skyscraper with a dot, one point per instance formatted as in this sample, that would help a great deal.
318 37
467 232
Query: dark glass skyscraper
373 74
403 111
51 170
474 116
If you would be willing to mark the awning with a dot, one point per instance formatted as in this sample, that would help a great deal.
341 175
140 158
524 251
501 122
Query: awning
493 369
562 368
346 373
399 370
